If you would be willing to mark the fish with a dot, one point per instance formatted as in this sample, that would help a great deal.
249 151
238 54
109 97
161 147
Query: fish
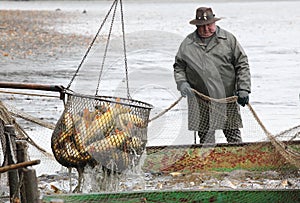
128 120
87 117
68 147
108 143
66 128
76 129
96 136
133 143
68 155
103 124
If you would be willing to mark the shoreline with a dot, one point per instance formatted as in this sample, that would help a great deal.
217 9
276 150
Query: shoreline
50 5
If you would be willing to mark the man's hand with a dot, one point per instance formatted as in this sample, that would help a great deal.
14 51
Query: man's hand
243 97
185 89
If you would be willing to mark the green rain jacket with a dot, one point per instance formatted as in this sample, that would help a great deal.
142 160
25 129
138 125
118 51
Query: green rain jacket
217 70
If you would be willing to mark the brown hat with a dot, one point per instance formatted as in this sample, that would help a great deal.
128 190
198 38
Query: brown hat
204 16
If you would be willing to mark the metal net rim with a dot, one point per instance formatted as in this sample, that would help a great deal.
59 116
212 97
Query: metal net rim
113 99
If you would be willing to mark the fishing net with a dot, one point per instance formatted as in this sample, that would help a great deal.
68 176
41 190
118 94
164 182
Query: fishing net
279 153
207 114
244 171
107 130
209 172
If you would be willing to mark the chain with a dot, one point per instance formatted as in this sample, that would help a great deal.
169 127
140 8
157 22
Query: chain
106 47
114 5
124 49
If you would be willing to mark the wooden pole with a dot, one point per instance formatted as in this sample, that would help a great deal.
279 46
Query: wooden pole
13 177
32 86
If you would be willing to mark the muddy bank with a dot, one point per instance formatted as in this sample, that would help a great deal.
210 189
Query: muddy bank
30 36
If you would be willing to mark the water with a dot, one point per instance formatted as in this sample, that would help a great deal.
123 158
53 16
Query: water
268 31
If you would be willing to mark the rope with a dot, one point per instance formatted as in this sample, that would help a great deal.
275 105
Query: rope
291 156
165 111
207 98
30 141
114 5
295 136
287 131
4 115
223 100
9 120
21 114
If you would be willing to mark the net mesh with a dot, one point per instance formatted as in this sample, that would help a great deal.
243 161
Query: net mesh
207 114
166 173
187 196
109 131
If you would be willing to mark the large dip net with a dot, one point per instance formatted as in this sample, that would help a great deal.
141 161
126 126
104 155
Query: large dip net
101 130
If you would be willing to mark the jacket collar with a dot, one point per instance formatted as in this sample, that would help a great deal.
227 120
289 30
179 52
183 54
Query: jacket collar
220 34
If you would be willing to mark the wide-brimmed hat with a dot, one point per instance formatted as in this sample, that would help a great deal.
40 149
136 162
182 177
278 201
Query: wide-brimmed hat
204 16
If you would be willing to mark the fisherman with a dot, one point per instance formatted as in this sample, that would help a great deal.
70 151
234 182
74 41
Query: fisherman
211 61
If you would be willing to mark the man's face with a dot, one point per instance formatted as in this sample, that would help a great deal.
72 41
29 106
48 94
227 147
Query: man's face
206 30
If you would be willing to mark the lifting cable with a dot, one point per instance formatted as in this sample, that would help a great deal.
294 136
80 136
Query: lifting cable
113 9
92 43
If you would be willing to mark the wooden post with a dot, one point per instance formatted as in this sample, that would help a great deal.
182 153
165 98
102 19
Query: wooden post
22 156
13 177
29 186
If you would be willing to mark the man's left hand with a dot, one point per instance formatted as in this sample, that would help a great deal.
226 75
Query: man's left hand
243 97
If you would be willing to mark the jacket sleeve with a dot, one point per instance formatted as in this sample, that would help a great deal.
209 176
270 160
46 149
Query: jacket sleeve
242 70
179 69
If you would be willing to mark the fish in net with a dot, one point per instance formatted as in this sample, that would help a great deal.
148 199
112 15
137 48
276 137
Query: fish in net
99 130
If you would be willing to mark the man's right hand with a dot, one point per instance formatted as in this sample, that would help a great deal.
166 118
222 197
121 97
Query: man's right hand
186 90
